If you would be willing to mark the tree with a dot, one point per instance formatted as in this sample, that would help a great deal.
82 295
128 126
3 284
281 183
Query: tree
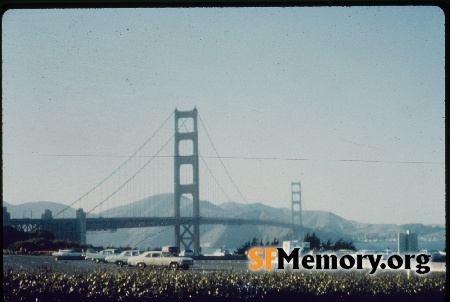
328 245
254 241
36 240
275 242
243 248
344 245
42 234
313 240
11 235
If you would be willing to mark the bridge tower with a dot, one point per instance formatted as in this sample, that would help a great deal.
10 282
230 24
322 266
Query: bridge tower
296 202
186 179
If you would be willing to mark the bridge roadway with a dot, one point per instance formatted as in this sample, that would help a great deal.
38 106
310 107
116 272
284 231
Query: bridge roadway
75 229
96 224
93 224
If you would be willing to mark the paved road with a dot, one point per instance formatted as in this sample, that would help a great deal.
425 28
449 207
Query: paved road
27 262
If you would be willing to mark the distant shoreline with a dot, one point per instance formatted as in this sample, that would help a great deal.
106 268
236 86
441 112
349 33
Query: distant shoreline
392 245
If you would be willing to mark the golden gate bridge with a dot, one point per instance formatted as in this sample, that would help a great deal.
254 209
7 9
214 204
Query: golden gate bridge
147 172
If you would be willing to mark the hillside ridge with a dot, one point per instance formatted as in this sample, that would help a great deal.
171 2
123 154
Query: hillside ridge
326 225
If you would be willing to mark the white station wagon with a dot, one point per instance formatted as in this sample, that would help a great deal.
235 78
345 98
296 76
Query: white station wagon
160 259
122 258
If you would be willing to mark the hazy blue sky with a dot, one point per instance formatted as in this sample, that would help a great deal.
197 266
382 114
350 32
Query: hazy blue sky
349 101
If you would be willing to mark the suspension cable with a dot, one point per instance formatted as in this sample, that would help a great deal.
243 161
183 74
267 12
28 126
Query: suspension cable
212 175
215 179
110 175
133 176
221 161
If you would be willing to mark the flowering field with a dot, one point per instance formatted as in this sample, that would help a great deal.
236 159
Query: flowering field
46 285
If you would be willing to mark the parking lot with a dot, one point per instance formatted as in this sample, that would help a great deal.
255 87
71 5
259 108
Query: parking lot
29 262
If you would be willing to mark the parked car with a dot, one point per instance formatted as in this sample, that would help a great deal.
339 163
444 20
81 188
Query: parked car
122 258
67 255
160 259
187 253
100 256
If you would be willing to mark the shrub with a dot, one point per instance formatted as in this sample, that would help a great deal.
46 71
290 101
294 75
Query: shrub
44 285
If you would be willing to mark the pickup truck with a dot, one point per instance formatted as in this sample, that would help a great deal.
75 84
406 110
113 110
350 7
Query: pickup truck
160 259
100 256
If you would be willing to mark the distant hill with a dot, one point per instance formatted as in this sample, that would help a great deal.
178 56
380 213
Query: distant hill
35 209
326 225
